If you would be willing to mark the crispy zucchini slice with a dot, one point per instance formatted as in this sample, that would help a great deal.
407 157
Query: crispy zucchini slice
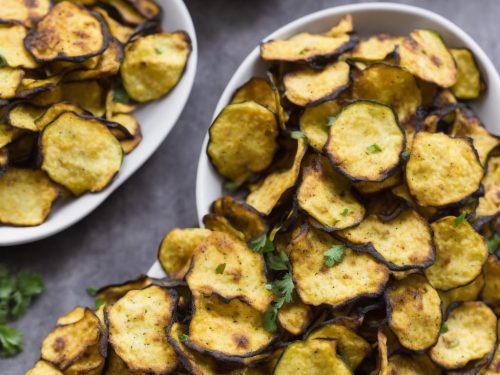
357 275
460 254
243 140
7 134
54 111
375 48
126 12
121 32
44 368
137 324
230 330
414 312
72 316
69 32
24 115
219 223
370 187
489 204
442 170
425 55
468 85
148 8
401 243
112 293
465 293
326 196
490 293
127 126
366 142
494 367
177 249
113 106
90 363
308 87
80 153
31 86
382 357
12 48
10 80
294 317
471 335
115 365
315 121
24 12
344 26
404 364
257 90
129 145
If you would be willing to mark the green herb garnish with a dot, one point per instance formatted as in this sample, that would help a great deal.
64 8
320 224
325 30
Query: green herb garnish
120 95
269 318
183 337
98 303
345 212
91 291
261 244
297 134
3 62
277 262
373 149
220 268
460 218
444 329
11 341
405 155
330 120
493 243
334 255
158 51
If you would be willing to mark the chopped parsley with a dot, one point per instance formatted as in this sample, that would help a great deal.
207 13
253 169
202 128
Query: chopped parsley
345 212
460 218
277 262
334 255
297 134
269 318
261 244
493 243
183 337
98 303
444 329
91 291
373 149
330 120
158 51
220 268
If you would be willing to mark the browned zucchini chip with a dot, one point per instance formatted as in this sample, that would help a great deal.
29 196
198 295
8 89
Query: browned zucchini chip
148 8
124 126
425 55
113 106
403 364
91 362
294 317
366 142
326 196
442 170
401 191
72 316
25 12
137 324
308 87
375 48
258 90
226 330
115 365
354 275
68 32
127 13
54 111
80 153
112 293
7 134
490 293
470 335
403 242
219 223
62 67
121 32
370 187
489 204
12 47
31 86
315 122
382 357
468 85
414 312
242 140
460 254
177 249
494 367
24 115
10 79
344 26
44 368
465 293
129 145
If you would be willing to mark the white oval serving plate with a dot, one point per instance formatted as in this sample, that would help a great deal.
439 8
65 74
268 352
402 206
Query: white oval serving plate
156 119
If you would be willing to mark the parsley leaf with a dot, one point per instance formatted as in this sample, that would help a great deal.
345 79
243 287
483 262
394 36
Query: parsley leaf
297 134
183 337
261 244
158 51
220 268
11 341
345 212
334 255
269 318
283 289
277 261
3 62
20 304
230 186
29 284
330 120
373 149
120 95
444 329
493 243
91 291
459 219
98 303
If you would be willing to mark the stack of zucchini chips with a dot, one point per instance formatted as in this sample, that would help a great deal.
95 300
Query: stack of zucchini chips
359 235
71 74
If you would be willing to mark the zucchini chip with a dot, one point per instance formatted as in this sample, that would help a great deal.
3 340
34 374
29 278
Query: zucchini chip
23 116
224 265
72 316
126 12
44 368
90 363
442 170
154 64
4 160
403 364
465 293
366 142
69 32
124 126
326 197
10 80
31 86
401 243
257 90
7 134
356 275
494 366
148 8
274 186
471 335
382 357
27 197
177 249
243 140
489 204
375 48
54 111
308 87
460 254
113 106
219 223
311 357
425 55
12 47
137 324
226 329
414 312
116 366
468 85
294 317
80 153
371 187
315 121
121 32
112 293
344 26
390 85
24 12
490 293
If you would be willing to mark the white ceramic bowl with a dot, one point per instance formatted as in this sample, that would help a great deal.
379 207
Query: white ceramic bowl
156 119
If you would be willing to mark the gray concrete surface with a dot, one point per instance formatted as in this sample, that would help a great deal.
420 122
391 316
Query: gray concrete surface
119 240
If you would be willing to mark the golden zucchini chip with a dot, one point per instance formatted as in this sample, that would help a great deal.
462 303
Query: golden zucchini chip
308 87
403 364
129 145
382 358
137 324
468 85
390 85
311 357
115 365
326 196
243 140
24 115
226 330
4 159
112 293
73 316
494 366
12 47
127 126
7 134
370 187
148 8
219 223
273 187
471 334
121 32
114 106
80 153
177 248
401 243
414 312
460 254
126 12
366 142
27 197
25 12
54 111
442 170
154 64
375 48
69 32
355 275
44 368
10 80
401 191
92 101
315 121
257 90
489 204
490 293
90 363
344 26
465 293
294 317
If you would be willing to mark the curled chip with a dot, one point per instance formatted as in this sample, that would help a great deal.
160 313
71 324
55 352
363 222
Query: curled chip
470 335
44 368
24 116
113 106
226 329
402 243
68 32
442 170
112 293
414 312
12 48
72 316
295 316
315 122
366 142
425 55
326 196
258 90
460 254
177 249
80 153
127 13
124 126
25 12
308 87
355 275
465 293
489 204
375 48
121 32
137 324
32 86
219 223
10 79
344 26
54 111
27 197
154 64
468 85
242 140
490 293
